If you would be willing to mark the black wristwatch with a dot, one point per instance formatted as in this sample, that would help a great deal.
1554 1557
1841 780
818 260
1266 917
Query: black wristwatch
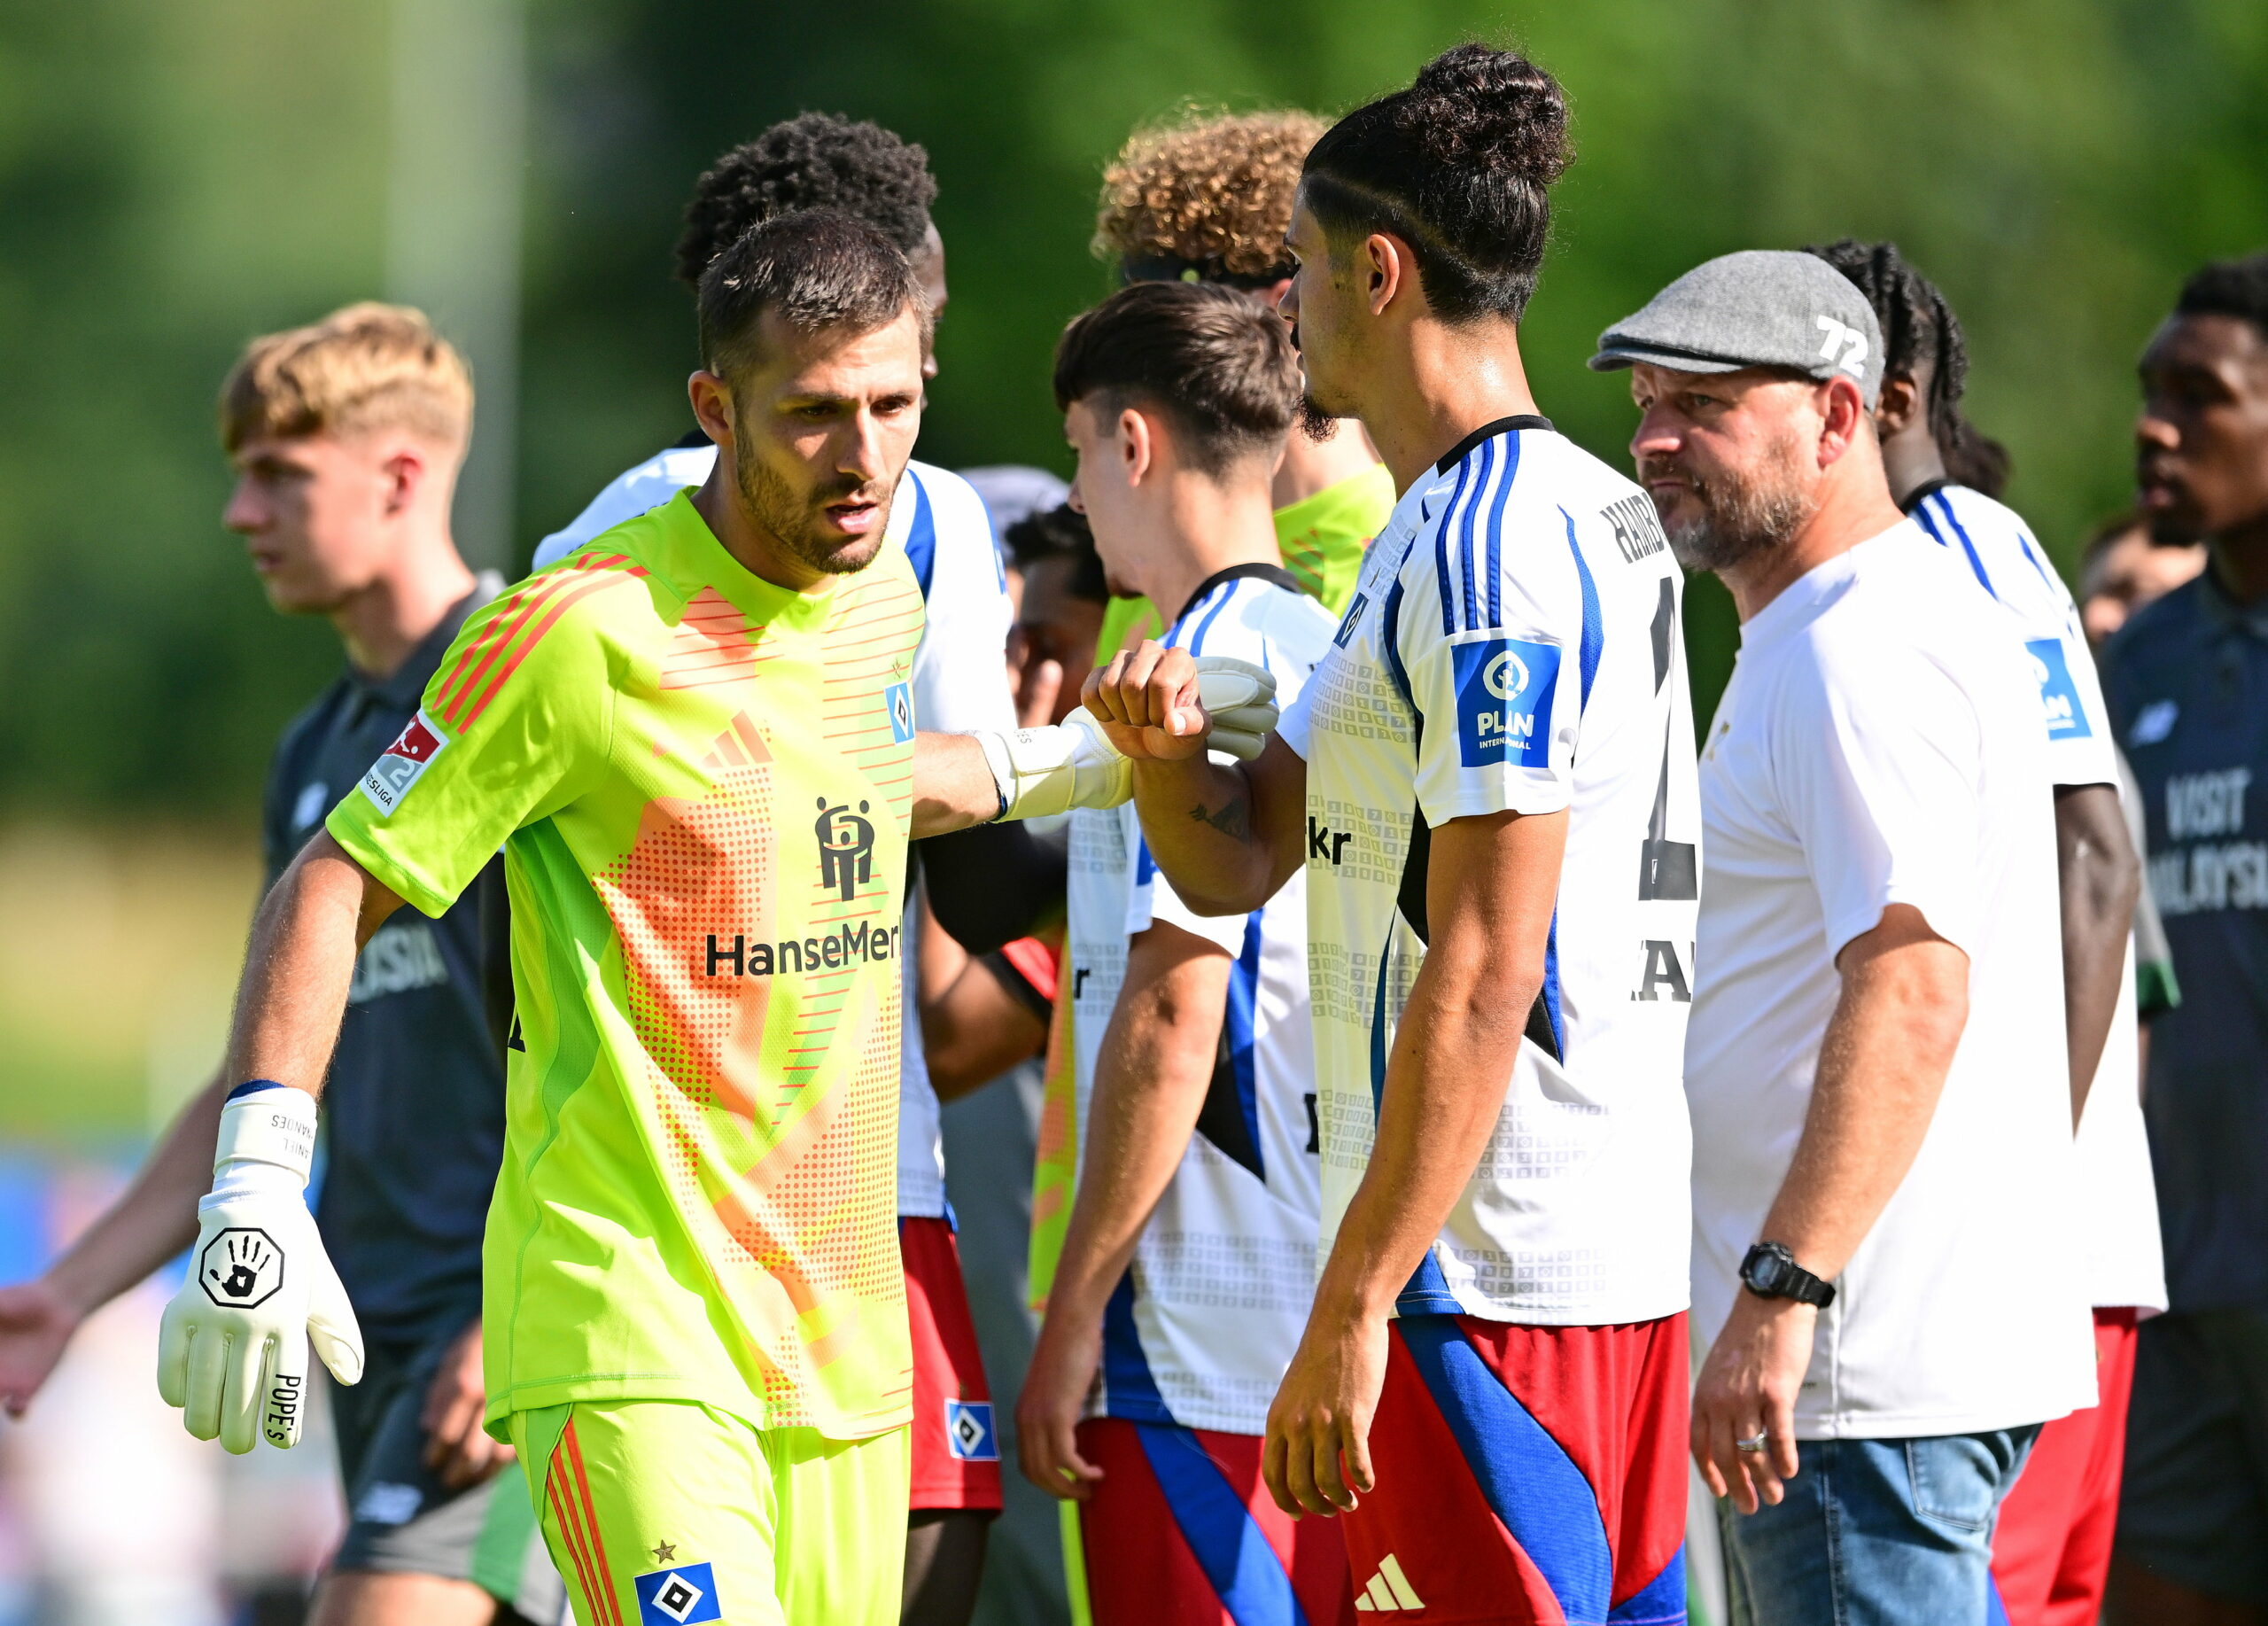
1771 1271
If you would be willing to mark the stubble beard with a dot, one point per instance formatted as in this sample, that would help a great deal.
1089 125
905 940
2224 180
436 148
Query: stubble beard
1317 422
793 519
1737 521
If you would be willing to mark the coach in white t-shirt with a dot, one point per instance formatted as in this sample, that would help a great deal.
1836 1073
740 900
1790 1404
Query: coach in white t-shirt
1875 1061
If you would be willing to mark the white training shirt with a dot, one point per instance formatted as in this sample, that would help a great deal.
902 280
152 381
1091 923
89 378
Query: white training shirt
1201 1328
1880 743
2117 1222
1514 644
959 684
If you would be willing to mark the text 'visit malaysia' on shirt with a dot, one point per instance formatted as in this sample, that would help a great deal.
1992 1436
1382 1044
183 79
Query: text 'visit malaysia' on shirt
2117 1219
702 783
2188 682
1514 645
1206 1319
1880 743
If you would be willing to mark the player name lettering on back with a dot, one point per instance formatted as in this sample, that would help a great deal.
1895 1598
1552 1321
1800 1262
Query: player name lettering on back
1637 528
853 943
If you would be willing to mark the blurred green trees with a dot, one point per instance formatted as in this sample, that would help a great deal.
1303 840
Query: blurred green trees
174 179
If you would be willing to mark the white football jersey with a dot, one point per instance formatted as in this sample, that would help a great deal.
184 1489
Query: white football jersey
1202 1327
959 684
2118 1219
1514 644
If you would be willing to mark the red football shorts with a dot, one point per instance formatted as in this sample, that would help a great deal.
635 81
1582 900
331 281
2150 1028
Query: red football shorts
956 1450
2051 1548
1180 1531
1526 1474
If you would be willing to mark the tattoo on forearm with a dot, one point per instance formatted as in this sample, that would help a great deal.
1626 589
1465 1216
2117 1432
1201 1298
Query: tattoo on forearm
1233 820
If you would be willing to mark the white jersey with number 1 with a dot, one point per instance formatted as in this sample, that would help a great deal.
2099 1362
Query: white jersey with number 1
1513 645
2119 1210
959 683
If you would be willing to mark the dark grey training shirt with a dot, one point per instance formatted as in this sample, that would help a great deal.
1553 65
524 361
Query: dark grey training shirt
2187 683
414 1111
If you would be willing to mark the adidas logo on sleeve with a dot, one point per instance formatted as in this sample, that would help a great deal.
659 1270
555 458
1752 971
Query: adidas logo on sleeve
1389 1590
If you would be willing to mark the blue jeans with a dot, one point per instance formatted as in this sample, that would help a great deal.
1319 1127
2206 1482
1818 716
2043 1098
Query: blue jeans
1877 1532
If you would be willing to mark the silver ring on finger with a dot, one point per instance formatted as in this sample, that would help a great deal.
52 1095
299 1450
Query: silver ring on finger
1752 1444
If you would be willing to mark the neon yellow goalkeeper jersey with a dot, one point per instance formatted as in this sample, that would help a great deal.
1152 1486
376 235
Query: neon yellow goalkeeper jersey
702 784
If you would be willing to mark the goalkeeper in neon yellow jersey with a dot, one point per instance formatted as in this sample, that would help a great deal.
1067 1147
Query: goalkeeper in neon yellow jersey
694 742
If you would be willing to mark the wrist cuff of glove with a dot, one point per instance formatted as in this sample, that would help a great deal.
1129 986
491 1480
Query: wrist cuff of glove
268 1125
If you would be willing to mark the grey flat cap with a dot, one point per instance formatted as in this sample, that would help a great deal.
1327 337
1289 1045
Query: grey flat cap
1762 308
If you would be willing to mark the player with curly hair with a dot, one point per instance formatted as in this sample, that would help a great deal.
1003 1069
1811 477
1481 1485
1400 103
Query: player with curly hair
1207 197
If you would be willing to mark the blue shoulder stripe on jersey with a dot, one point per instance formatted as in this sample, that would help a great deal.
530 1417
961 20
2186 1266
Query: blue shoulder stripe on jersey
1496 531
1220 602
1442 548
1921 513
1238 1561
1242 1018
921 535
1594 626
1129 1388
1661 1599
1465 543
1542 1495
1145 867
1214 596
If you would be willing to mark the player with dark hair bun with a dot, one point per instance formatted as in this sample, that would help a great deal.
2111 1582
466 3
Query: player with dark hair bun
1491 1386
1458 166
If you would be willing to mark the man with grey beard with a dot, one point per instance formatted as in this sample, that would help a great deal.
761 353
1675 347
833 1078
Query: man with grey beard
1875 1059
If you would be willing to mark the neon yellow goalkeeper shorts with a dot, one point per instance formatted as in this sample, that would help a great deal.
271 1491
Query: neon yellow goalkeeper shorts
664 1513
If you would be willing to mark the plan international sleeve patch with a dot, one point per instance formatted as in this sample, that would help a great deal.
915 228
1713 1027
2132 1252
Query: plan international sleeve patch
1504 701
2059 698
400 765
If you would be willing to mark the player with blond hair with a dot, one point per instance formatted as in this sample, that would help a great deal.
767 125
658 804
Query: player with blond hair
347 436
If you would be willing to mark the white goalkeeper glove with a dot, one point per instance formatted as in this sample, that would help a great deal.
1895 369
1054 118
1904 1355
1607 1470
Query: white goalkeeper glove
1073 764
232 1349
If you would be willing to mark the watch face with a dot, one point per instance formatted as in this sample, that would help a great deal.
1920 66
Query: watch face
1765 1273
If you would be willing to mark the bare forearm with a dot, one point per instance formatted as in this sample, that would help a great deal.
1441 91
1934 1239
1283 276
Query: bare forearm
1155 1064
155 1218
1445 1087
2101 879
1882 1067
1226 837
952 787
303 940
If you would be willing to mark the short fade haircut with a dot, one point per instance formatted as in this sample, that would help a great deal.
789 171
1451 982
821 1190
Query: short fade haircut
366 367
1061 534
2235 288
815 160
1214 362
819 269
1458 167
1206 199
